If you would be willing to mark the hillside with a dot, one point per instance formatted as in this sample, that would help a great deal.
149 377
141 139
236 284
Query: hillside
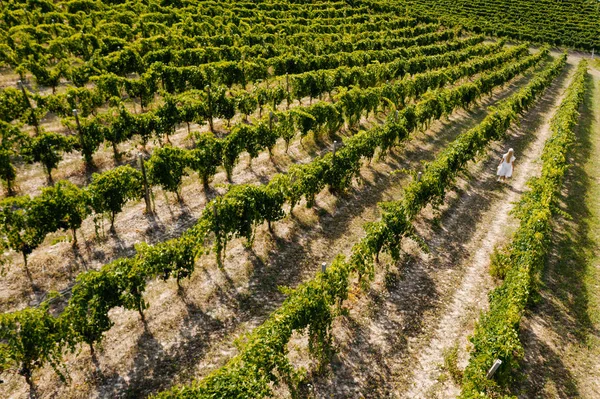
571 24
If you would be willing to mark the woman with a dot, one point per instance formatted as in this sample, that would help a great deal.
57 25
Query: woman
505 169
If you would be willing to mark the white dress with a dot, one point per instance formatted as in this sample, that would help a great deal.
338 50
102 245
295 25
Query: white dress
506 168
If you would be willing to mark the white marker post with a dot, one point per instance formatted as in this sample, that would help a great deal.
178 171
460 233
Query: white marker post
323 267
494 368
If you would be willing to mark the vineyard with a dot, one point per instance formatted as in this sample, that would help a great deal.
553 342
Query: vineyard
285 199
562 23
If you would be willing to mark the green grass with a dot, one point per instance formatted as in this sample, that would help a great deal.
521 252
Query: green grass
579 249
451 364
591 277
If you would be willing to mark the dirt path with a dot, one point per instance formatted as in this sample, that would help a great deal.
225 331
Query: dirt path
392 331
191 333
471 296
561 334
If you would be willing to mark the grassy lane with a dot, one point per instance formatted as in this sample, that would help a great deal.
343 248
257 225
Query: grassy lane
562 331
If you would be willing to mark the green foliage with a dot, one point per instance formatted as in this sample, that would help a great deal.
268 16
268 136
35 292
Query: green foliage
91 135
123 62
246 103
285 127
451 364
109 85
18 228
144 125
242 138
83 99
109 191
191 107
224 105
12 104
82 74
8 173
164 260
143 88
167 167
168 117
46 148
205 158
10 135
93 295
131 280
122 128
499 263
236 214
63 206
45 76
29 339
